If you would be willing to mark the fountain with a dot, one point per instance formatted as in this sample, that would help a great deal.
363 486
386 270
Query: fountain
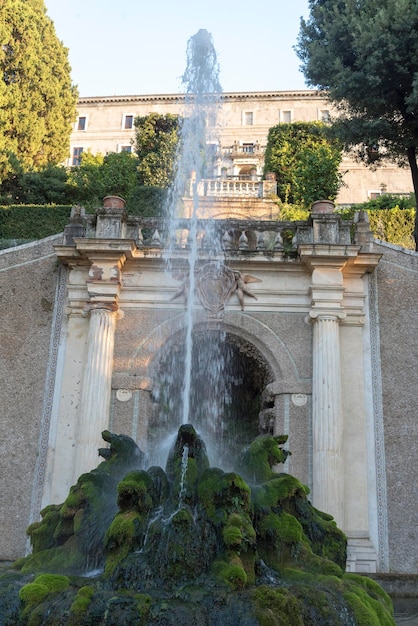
189 544
227 543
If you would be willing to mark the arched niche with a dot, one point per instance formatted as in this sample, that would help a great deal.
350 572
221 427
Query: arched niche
232 364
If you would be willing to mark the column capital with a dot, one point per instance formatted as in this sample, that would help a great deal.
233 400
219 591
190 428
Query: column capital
109 307
318 315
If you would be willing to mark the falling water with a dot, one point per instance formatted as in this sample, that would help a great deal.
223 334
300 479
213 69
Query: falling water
202 96
184 462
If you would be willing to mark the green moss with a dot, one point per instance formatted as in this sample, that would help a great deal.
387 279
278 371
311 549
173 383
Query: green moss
232 574
371 587
232 536
369 603
182 517
33 594
42 533
143 604
273 492
68 560
276 607
364 615
133 492
54 582
282 527
262 454
78 520
123 534
81 603
74 501
222 494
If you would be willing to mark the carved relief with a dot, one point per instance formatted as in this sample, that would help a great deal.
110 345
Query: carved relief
215 283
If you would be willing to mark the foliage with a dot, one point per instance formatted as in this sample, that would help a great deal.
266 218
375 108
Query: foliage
305 162
391 218
388 201
365 54
32 222
37 99
148 201
394 226
48 185
98 176
156 143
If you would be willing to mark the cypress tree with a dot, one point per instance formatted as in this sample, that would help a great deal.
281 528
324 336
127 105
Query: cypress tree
37 98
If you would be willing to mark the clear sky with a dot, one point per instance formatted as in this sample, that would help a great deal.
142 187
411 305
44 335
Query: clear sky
129 47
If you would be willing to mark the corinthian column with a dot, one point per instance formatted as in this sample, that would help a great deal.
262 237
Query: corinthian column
95 396
327 416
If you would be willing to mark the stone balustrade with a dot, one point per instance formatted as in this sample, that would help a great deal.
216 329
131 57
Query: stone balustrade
255 237
227 187
233 188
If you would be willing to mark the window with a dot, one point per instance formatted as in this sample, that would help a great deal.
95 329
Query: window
128 121
285 117
211 119
248 147
77 152
248 118
127 148
82 123
324 115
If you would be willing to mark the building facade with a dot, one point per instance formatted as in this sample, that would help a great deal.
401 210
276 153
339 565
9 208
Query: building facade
238 134
325 334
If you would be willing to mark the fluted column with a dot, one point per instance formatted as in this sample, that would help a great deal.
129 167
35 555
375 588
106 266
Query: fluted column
95 397
327 416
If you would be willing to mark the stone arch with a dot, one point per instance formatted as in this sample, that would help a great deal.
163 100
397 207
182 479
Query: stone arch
250 329
266 368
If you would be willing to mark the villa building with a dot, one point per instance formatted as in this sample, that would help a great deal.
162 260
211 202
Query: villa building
238 134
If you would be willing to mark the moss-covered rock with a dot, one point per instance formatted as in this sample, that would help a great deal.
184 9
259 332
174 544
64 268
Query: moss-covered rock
258 459
80 604
189 545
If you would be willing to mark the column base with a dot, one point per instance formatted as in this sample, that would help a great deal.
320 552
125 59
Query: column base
361 554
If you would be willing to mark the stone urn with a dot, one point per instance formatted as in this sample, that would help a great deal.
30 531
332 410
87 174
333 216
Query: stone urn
322 206
113 202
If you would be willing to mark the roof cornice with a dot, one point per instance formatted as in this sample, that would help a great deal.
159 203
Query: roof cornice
233 95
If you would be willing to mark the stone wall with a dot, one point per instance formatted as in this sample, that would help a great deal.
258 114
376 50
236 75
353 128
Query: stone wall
28 280
397 280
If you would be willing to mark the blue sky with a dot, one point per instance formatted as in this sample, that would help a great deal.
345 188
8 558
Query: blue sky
137 47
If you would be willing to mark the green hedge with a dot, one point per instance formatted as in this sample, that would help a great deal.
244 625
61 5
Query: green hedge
31 222
394 225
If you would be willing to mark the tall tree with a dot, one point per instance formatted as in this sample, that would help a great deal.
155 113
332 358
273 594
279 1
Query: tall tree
98 176
37 99
305 162
156 143
364 53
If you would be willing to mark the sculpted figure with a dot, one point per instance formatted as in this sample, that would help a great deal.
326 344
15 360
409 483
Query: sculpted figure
241 288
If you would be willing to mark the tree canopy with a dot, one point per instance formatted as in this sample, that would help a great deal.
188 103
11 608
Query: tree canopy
364 53
37 99
156 143
98 176
305 162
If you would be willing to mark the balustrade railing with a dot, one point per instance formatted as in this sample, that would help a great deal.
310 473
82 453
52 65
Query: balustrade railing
230 236
226 187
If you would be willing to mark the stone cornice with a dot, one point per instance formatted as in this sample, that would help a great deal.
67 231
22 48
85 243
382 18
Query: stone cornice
232 96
